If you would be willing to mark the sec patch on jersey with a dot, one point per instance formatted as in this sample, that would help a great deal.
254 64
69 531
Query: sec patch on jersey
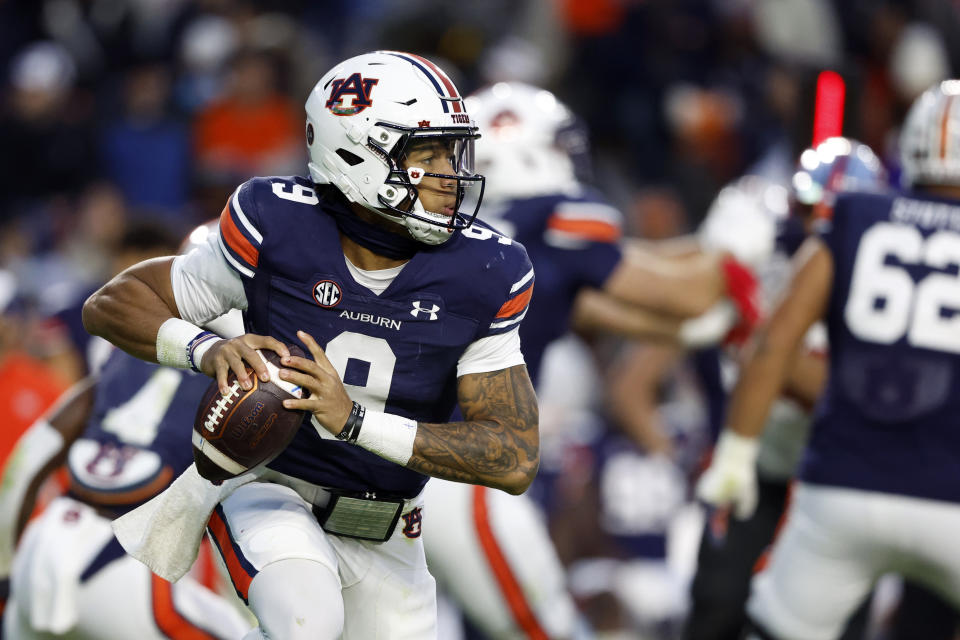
234 433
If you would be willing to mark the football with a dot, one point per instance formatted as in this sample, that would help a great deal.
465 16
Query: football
234 433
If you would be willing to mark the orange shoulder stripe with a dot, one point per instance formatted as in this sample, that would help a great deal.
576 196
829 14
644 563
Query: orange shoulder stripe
595 230
235 240
515 305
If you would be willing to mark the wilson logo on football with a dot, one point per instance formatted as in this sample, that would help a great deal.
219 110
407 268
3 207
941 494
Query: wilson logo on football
351 96
327 293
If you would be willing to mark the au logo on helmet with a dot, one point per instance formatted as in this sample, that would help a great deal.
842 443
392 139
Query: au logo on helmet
356 86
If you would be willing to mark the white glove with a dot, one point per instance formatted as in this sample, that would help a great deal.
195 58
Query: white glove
710 327
731 478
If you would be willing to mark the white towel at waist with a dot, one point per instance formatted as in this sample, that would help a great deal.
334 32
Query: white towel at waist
165 532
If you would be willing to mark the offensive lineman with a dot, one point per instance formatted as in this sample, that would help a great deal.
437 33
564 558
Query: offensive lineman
878 484
763 226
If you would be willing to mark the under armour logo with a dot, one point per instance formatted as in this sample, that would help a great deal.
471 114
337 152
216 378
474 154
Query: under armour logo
418 308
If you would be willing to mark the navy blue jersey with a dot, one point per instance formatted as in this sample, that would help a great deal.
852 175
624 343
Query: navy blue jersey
572 242
137 438
396 352
888 418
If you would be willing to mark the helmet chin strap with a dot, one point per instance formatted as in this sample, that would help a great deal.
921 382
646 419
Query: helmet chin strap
420 230
426 232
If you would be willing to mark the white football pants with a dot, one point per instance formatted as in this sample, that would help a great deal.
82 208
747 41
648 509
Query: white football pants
491 552
836 544
305 584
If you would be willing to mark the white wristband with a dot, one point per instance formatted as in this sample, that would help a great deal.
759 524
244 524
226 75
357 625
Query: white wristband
172 340
389 436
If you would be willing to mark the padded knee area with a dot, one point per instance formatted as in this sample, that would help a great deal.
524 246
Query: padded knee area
297 600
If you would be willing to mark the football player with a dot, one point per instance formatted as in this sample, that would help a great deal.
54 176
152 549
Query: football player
762 225
535 153
406 304
877 486
492 552
123 437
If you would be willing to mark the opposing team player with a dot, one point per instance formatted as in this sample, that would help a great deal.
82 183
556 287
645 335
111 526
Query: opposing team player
407 306
878 485
762 225
492 552
123 437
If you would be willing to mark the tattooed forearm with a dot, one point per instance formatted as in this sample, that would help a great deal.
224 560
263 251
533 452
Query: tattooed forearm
498 444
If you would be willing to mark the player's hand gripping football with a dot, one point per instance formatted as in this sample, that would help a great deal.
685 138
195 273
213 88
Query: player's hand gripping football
231 354
731 479
327 399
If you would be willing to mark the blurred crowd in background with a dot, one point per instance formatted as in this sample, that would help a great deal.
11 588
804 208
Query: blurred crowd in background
126 123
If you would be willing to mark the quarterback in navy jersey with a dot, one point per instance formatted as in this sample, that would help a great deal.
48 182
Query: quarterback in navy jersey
406 305
123 437
878 487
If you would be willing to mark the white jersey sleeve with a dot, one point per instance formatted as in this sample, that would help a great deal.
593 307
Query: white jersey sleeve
204 285
492 353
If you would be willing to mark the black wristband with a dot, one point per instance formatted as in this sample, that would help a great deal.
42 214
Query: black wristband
351 429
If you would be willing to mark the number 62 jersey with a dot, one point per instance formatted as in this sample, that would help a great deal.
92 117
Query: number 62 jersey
888 418
452 309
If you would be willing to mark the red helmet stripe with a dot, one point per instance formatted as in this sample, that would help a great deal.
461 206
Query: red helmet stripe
451 90
945 127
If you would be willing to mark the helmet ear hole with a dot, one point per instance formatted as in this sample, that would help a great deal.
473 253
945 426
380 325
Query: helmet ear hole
351 159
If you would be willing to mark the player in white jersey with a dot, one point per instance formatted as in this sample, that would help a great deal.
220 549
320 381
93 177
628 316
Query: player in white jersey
878 488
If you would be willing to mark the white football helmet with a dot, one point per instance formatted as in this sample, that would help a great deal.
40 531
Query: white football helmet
362 116
532 143
743 219
930 139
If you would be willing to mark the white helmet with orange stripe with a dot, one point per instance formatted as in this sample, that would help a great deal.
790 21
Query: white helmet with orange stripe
930 140
390 131
532 143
